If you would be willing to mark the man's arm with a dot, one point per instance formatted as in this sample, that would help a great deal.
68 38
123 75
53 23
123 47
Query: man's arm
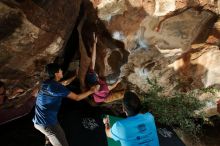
107 127
68 81
21 92
15 93
107 131
83 95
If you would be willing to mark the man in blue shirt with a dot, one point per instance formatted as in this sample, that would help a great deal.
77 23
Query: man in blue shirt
48 103
137 129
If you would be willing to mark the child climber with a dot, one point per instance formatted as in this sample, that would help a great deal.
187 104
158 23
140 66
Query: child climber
92 78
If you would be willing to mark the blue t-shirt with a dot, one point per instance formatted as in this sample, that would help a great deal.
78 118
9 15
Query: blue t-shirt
48 102
139 130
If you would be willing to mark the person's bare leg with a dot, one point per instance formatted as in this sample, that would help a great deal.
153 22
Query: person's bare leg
92 66
79 28
115 96
84 58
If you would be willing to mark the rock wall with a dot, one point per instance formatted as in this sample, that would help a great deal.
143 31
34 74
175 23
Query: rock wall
176 42
32 33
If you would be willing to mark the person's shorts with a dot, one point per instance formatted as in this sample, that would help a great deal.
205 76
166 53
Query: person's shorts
91 77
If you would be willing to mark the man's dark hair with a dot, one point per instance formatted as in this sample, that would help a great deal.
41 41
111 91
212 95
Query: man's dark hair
131 103
51 69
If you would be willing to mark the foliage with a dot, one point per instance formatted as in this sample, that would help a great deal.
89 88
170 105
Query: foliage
211 90
175 110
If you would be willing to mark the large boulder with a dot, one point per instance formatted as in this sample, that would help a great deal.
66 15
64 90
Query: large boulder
32 34
173 41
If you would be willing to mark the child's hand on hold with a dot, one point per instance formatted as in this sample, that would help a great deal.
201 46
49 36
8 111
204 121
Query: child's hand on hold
119 80
95 38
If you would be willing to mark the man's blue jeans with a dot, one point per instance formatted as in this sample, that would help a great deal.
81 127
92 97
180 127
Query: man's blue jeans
54 133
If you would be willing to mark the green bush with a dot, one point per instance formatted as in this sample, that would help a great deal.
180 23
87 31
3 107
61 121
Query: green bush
176 110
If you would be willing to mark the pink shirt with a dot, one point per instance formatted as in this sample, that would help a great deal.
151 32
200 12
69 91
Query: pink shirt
103 92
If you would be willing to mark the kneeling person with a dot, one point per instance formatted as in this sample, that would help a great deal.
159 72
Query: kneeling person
137 129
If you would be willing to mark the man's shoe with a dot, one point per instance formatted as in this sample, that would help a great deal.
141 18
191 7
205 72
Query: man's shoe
48 144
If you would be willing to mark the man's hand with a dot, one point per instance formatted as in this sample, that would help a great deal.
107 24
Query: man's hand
106 120
17 91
